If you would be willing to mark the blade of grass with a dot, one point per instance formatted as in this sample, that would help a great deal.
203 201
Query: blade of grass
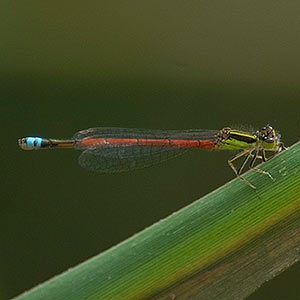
223 246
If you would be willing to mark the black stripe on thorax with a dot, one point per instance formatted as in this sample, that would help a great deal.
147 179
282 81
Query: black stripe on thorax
242 138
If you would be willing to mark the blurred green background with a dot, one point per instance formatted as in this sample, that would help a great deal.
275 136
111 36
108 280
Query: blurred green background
67 66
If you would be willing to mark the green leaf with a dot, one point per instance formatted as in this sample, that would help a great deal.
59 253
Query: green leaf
223 246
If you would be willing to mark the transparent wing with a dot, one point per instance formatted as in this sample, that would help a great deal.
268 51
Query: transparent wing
122 159
104 132
99 155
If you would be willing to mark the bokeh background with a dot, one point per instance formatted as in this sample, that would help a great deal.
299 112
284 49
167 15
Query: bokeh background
67 66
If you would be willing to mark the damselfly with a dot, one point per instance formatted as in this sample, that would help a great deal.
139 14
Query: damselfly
122 149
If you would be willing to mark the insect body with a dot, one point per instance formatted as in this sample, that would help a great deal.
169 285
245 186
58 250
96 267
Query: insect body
123 149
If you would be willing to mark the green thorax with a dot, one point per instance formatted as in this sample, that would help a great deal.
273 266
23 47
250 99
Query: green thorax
234 139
